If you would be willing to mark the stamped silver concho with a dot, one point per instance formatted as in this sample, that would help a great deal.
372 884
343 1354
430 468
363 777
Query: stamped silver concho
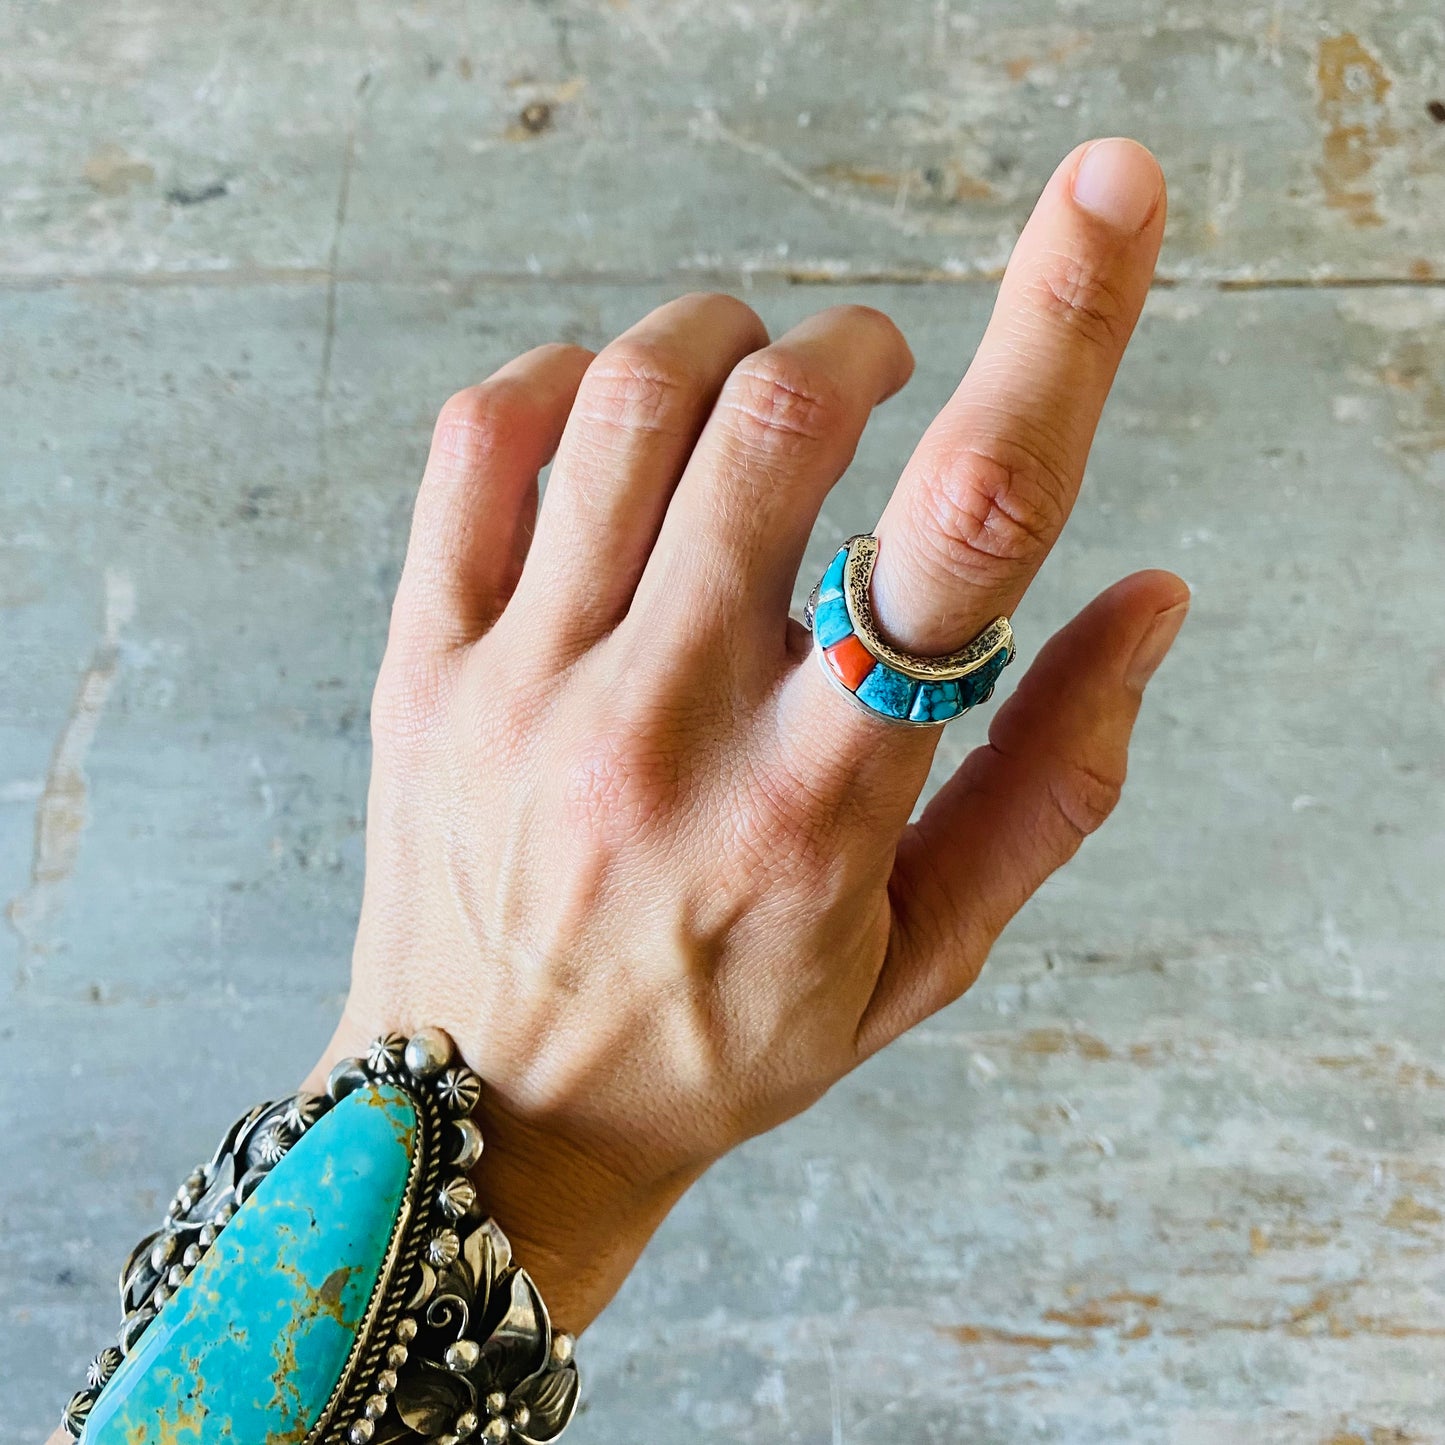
456 1346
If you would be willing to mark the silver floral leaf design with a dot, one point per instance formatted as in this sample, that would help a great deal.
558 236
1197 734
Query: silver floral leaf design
521 1339
551 1399
242 1158
482 1300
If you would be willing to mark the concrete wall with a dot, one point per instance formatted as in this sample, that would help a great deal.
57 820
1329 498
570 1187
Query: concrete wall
1175 1170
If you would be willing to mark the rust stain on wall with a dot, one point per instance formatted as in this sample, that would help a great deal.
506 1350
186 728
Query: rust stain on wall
1379 1435
988 1335
1409 1213
1118 1310
1053 1042
1383 1064
62 811
112 171
1020 67
1352 87
1413 374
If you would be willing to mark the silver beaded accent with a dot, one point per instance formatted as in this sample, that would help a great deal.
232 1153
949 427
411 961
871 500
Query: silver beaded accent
428 1053
469 1145
103 1366
385 1055
134 1326
345 1078
463 1355
457 1197
443 1248
77 1412
460 1090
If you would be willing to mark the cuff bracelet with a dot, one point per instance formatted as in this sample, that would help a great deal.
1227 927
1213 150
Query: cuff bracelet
328 1279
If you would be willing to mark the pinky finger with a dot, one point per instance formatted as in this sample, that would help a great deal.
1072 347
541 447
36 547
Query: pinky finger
477 503
1018 808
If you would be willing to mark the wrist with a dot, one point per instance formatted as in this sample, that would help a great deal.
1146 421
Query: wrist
576 1222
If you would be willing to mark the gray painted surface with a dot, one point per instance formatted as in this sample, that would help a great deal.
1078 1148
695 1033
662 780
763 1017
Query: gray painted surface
1175 1170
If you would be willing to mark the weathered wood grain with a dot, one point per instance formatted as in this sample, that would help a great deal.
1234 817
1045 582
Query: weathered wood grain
1175 1171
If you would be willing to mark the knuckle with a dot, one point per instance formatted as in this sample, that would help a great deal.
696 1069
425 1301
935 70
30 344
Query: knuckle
557 350
728 306
1000 500
1083 299
868 316
779 403
639 386
1083 796
410 699
479 422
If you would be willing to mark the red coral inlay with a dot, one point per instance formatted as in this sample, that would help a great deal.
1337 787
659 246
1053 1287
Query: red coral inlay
850 660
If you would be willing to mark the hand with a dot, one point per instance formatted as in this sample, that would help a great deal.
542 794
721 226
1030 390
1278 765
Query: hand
625 841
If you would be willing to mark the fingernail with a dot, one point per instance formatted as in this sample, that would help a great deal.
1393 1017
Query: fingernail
1155 646
1119 182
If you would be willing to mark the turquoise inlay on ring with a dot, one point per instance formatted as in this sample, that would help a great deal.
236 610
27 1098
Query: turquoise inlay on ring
250 1348
887 691
831 622
977 687
936 702
832 583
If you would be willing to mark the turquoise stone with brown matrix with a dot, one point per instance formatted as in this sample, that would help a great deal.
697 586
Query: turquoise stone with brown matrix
250 1348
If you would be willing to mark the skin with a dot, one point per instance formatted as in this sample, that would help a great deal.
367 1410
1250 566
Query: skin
625 842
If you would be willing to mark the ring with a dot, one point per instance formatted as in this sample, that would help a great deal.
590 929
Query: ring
896 686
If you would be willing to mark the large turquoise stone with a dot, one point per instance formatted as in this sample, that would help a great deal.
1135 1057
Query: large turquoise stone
250 1348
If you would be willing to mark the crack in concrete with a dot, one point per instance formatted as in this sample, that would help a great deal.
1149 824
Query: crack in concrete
343 197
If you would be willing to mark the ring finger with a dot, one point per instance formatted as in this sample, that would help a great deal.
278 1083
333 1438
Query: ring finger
784 430
635 420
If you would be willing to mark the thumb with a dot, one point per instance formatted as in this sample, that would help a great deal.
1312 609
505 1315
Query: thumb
1018 808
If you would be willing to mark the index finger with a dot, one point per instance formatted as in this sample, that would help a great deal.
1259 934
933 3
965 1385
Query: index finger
993 479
